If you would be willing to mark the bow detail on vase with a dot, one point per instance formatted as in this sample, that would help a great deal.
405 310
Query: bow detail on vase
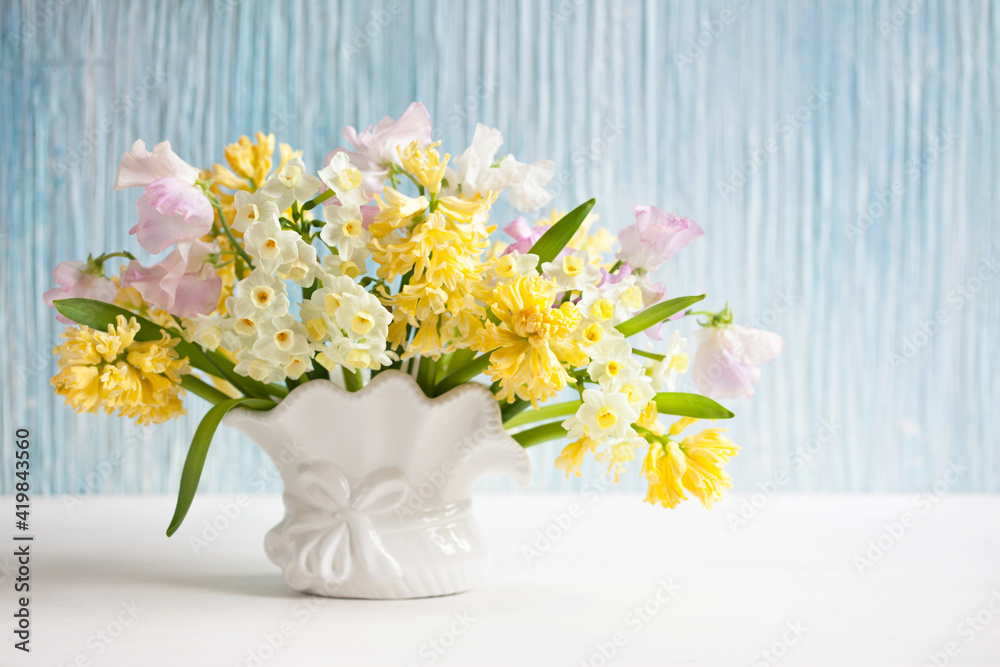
333 523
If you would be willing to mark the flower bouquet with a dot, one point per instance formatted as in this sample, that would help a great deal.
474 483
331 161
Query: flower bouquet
383 263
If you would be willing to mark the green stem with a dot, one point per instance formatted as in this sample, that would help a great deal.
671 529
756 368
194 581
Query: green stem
229 233
352 379
540 434
509 410
99 261
459 358
307 292
543 413
649 355
463 374
426 372
203 390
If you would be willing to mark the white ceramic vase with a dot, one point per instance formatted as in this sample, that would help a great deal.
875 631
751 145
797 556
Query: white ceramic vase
377 485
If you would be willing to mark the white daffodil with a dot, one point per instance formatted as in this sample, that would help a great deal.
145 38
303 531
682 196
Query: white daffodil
297 365
343 230
279 339
319 312
336 265
345 180
250 365
363 318
206 332
606 369
240 328
515 263
597 306
292 183
627 296
253 207
571 271
271 246
354 355
305 268
603 416
663 374
477 170
597 338
615 302
261 294
636 386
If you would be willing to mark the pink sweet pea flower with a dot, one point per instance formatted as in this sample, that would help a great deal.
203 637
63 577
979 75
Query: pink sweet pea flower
655 237
173 209
75 282
183 284
375 147
171 212
139 167
524 234
725 365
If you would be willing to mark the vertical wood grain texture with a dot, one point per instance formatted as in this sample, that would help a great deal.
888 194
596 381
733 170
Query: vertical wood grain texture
782 127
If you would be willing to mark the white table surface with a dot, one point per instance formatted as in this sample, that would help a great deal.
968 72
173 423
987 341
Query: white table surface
787 582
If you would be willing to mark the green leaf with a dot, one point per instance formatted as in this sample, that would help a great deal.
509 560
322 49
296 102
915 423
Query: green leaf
98 315
195 461
543 413
656 314
690 405
558 235
540 434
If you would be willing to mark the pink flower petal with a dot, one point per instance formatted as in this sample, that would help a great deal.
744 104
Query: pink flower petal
74 283
753 347
139 167
725 365
183 284
655 237
170 212
375 147
524 234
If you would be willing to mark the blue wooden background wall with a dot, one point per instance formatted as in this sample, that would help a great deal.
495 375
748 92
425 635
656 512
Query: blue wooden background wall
842 156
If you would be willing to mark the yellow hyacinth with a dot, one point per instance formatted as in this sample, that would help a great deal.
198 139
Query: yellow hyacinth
617 454
695 464
532 340
649 419
424 164
109 370
573 454
441 251
250 164
664 468
251 160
